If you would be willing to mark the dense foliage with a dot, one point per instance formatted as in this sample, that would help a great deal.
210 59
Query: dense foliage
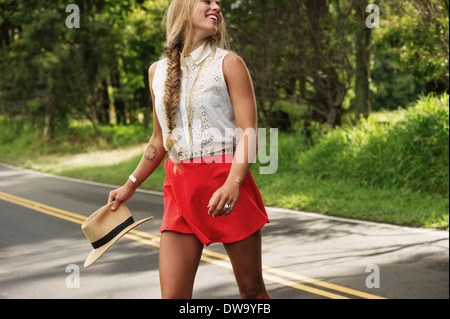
410 149
314 54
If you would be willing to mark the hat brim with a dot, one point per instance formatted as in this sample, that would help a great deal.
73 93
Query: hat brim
97 253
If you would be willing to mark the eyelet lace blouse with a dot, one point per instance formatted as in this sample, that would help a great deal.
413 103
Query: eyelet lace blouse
212 129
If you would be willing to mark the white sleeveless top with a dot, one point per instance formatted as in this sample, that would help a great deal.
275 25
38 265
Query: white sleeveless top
213 126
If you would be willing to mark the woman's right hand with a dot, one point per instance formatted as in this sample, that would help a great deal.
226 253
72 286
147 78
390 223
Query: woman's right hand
121 194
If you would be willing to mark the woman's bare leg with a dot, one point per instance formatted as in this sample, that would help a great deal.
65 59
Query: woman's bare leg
179 257
245 256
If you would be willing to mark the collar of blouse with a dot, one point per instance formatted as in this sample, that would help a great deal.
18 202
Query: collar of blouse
198 55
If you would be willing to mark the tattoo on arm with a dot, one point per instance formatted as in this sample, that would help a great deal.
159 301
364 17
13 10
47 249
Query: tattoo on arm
150 153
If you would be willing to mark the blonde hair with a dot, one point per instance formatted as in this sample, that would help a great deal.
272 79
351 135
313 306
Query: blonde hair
179 32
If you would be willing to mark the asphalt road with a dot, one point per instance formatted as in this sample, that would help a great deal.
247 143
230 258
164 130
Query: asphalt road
305 255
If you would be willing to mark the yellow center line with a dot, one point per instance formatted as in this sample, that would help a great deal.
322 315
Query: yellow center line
279 276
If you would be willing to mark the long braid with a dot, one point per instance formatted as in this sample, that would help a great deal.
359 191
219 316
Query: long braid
172 90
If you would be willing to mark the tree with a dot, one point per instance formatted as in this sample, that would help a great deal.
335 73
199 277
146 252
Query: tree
415 34
144 37
258 32
296 49
362 41
329 68
316 54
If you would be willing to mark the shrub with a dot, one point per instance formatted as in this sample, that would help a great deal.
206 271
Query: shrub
411 152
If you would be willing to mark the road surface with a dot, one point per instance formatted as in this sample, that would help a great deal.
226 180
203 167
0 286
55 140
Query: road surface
305 255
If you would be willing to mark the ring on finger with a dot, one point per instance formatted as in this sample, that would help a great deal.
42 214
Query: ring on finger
226 207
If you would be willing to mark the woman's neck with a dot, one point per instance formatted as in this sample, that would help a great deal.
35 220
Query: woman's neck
196 42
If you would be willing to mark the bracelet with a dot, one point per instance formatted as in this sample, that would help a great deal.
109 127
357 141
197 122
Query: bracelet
135 180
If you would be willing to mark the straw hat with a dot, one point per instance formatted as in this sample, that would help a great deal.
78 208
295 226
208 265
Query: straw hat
104 227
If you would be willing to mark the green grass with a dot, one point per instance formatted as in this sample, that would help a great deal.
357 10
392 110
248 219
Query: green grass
20 142
411 151
392 167
339 198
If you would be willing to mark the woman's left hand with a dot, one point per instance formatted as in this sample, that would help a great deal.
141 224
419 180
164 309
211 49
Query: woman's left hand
224 199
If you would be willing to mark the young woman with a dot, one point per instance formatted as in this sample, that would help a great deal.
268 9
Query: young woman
205 118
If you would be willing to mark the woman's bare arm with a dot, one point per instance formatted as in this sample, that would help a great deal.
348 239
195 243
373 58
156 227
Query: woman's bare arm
150 160
240 89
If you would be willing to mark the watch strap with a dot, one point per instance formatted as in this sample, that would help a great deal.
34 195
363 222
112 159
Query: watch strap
135 180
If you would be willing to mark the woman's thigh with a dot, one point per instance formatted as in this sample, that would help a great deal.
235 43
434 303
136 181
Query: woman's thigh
179 257
245 256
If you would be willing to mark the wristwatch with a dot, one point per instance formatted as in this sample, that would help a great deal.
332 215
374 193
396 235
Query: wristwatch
135 180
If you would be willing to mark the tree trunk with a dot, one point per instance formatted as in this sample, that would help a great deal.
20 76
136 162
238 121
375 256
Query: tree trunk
329 91
104 113
362 39
119 104
49 122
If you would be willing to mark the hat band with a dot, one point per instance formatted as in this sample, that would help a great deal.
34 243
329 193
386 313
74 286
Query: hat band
113 233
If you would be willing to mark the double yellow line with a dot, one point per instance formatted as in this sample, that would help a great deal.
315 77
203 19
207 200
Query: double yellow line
281 277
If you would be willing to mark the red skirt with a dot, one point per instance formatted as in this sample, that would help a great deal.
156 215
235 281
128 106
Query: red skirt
187 194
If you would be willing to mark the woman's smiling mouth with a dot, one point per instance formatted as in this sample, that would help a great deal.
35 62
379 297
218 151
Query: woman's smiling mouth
213 17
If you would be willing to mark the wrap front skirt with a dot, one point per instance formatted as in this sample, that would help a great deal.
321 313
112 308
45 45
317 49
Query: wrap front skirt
187 194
